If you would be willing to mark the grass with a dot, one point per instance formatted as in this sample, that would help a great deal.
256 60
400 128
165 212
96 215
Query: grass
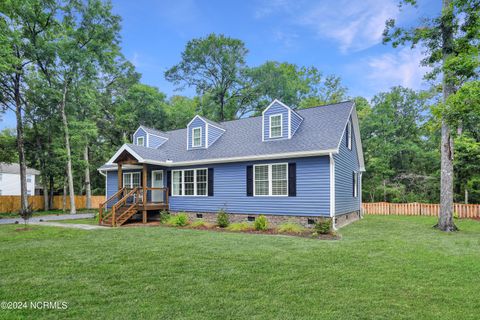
384 267
8 215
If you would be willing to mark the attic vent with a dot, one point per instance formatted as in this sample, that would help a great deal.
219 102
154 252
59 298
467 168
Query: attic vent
199 215
251 218
310 221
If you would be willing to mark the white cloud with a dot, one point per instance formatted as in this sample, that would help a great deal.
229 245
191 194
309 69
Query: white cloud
399 68
353 25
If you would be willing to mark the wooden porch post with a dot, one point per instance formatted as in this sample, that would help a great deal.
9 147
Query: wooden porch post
144 186
120 179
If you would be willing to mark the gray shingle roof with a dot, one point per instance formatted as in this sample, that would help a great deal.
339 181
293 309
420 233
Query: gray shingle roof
321 130
154 131
15 168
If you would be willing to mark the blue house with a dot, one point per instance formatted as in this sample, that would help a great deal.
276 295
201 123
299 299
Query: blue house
286 164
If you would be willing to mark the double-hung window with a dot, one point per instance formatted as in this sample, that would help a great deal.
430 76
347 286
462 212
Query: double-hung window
197 137
141 141
192 182
131 180
271 179
276 126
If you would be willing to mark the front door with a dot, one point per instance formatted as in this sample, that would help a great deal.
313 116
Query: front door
157 182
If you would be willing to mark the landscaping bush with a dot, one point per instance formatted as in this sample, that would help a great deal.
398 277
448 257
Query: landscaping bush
222 219
179 220
290 227
201 223
240 226
261 223
323 226
164 216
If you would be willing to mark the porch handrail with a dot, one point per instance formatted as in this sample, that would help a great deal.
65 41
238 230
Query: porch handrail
122 202
164 189
102 205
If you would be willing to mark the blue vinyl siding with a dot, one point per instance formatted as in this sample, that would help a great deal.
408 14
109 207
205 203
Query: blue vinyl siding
313 190
213 134
140 133
155 141
195 124
346 162
296 121
273 110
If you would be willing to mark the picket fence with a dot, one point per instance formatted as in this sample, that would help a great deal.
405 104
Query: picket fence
12 203
420 209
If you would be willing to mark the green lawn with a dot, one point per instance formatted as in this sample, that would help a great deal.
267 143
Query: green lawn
385 267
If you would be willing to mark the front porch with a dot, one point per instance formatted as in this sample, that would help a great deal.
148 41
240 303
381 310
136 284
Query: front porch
141 189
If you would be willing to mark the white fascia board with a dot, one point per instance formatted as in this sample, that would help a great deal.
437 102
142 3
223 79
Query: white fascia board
197 116
125 148
358 139
273 102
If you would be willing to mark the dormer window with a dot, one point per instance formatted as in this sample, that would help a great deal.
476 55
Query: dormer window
141 141
276 126
197 137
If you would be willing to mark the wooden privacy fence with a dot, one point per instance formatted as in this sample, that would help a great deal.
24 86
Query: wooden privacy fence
420 209
12 203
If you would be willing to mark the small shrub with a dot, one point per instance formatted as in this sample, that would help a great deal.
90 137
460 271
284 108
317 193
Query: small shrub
261 223
200 223
179 220
323 226
290 227
455 215
164 216
222 219
240 226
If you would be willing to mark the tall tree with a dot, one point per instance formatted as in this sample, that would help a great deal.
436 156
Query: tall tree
299 87
22 25
451 43
214 66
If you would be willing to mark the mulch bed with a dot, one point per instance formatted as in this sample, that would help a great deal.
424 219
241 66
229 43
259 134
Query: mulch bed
305 234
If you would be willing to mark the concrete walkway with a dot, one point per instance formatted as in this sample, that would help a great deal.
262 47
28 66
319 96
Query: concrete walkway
54 217
70 225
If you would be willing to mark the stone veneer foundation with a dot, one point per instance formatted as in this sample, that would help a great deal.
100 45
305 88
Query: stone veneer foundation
275 220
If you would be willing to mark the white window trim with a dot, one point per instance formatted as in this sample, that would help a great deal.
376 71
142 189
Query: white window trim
193 137
355 184
270 126
143 139
194 183
131 178
270 181
349 135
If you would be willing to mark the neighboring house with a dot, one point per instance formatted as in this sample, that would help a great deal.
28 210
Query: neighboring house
286 164
10 179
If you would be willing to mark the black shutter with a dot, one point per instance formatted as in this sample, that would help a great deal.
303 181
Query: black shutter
292 179
169 182
347 134
353 183
249 181
210 182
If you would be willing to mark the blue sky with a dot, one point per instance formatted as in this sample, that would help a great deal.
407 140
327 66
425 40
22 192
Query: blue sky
341 37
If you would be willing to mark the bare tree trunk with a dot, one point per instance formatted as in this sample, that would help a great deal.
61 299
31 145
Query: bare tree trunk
64 197
466 195
21 147
71 190
50 187
88 188
46 204
445 218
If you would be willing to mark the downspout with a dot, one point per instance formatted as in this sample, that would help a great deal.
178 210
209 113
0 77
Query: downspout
332 190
